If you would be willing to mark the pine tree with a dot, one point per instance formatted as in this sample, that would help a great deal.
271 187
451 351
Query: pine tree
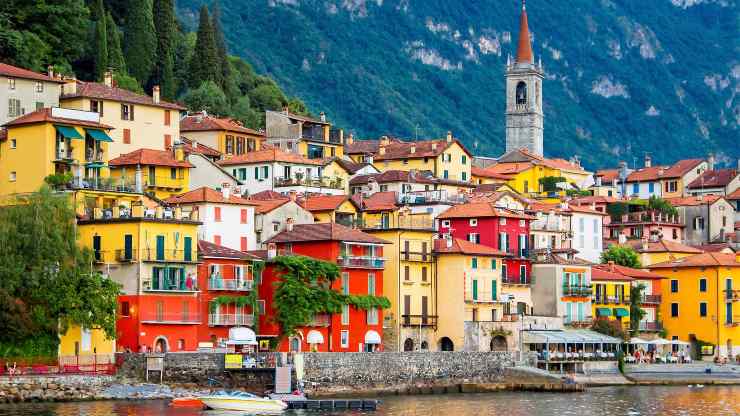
140 39
222 55
115 54
163 75
101 40
203 64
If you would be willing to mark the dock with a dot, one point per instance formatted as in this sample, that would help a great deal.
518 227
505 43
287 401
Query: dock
333 404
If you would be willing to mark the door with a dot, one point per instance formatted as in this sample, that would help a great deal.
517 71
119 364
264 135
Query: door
160 248
188 255
128 247
96 247
406 309
424 310
152 176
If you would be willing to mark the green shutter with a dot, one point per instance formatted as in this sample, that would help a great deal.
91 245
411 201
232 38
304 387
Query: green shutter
475 262
188 249
494 294
475 290
493 264
160 248
128 246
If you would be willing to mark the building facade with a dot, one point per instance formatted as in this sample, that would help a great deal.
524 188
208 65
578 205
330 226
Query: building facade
25 91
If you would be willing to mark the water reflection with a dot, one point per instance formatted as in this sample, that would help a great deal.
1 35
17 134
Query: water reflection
605 401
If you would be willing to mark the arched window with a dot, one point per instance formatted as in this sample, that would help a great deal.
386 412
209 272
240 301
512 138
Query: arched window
446 344
498 343
521 93
408 345
424 345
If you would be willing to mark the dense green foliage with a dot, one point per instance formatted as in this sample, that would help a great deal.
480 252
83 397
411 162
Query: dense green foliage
607 327
656 203
550 183
47 282
304 291
621 255
203 63
164 68
636 311
101 39
362 62
140 39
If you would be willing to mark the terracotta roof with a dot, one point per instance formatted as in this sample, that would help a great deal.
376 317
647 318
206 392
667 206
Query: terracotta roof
198 148
299 117
652 173
207 249
149 157
16 72
700 260
735 195
322 202
460 246
269 155
585 210
379 201
661 246
603 273
324 232
200 122
714 247
588 200
482 209
266 205
608 175
714 178
427 148
205 194
267 194
486 173
44 116
487 188
691 201
509 168
365 146
103 92
546 256
412 176
626 271
523 155
350 166
524 49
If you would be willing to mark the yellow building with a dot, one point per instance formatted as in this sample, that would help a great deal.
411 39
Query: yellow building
331 208
71 145
701 300
409 282
140 121
306 136
445 158
335 171
469 280
159 173
78 341
611 294
652 252
227 136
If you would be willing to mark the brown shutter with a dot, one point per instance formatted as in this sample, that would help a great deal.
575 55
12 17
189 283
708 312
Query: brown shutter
424 274
126 136
100 107
167 117
122 112
131 111
167 141
406 272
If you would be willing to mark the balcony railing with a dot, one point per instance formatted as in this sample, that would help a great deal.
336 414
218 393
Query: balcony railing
413 222
323 182
362 262
650 326
64 155
230 320
428 197
651 300
732 294
579 322
235 285
322 319
606 300
94 156
419 320
124 256
335 136
733 320
169 255
104 184
416 256
156 317
116 213
174 284
577 290
646 216
515 280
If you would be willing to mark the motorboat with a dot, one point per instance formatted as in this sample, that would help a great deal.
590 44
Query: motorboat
239 400
186 402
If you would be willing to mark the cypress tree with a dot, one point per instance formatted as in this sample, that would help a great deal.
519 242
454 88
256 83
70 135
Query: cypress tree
115 54
140 39
203 64
222 55
101 40
164 15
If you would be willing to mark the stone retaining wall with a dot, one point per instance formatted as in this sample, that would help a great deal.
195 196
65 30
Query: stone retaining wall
51 388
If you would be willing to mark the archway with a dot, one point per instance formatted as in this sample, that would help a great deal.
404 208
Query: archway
498 343
408 345
161 344
446 344
295 344
424 346
521 93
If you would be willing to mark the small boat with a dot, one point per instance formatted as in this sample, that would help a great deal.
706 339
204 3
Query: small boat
186 402
239 400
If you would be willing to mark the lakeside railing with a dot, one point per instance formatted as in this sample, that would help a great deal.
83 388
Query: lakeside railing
91 364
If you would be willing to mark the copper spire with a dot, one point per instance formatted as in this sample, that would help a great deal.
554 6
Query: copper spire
524 51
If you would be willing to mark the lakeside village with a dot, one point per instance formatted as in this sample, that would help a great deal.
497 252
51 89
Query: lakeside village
302 238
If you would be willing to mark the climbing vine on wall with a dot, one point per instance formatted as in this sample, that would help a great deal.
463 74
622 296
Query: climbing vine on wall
304 291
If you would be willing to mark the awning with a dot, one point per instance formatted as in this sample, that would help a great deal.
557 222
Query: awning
68 132
241 336
569 336
372 337
603 312
314 337
660 341
99 135
95 165
621 312
636 341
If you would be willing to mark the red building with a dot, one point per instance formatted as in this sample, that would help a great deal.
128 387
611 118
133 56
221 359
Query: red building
503 229
360 258
145 324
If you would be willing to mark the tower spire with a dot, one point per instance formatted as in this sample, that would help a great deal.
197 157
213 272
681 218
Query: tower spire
524 50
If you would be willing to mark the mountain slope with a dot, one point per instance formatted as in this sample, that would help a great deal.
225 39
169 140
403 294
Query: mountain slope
623 78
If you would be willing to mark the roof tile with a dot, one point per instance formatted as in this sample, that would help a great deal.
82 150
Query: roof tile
103 92
17 72
149 157
269 155
200 122
205 194
324 232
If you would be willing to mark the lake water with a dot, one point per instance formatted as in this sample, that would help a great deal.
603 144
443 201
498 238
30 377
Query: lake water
603 401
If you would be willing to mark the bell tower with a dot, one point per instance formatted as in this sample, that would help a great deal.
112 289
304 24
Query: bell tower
524 117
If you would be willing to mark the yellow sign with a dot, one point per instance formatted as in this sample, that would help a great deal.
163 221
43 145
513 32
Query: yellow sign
233 361
264 345
707 350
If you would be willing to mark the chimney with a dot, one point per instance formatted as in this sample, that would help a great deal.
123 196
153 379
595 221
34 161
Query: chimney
322 116
155 94
611 265
449 137
412 149
381 150
350 139
226 191
434 146
293 196
648 161
108 78
289 224
384 141
644 243
710 161
70 88
50 71
178 149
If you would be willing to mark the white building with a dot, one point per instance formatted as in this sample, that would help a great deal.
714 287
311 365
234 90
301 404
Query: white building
228 220
586 230
23 91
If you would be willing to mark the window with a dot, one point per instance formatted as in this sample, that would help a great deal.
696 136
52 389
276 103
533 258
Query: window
464 159
474 238
345 314
424 273
474 262
11 83
39 105
526 186
672 186
244 214
217 214
446 223
229 144
699 223
243 243
674 286
522 245
371 284
406 273
383 188
504 274
167 141
126 136
703 309
502 221
446 174
13 143
702 285
405 161
674 310
503 242
39 86
493 264
523 274
344 335
464 176
521 93
173 173
217 240
522 223
372 316
651 187
635 188
345 283
96 106
12 176
265 172
127 112
125 309
473 222
14 107
240 145
275 226
167 117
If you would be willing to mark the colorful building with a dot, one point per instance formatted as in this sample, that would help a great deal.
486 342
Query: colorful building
360 259
562 287
611 295
701 300
27 91
654 251
707 218
159 173
273 212
302 135
663 181
226 135
140 121
412 183
649 224
331 208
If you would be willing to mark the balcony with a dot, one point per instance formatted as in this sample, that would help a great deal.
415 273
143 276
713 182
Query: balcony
417 256
94 156
411 222
168 255
230 320
322 319
646 217
138 211
361 262
335 136
431 197
65 156
607 300
733 320
235 285
165 182
651 299
650 326
323 182
732 294
313 133
127 256
515 280
104 184
181 318
428 321
578 322
577 291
